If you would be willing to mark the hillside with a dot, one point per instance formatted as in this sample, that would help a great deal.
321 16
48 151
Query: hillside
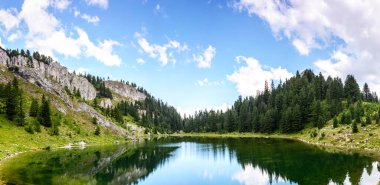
307 107
71 98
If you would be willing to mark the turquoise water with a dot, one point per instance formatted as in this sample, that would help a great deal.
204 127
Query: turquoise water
193 161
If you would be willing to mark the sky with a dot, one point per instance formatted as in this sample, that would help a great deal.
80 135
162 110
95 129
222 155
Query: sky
200 54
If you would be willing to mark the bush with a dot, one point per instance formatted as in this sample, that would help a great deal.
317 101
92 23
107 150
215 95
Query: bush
335 122
354 127
54 131
37 126
97 130
313 133
28 128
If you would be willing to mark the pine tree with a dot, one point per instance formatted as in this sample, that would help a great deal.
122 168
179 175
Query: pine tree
97 130
354 127
20 113
33 111
351 89
366 91
368 120
45 113
12 99
335 122
94 121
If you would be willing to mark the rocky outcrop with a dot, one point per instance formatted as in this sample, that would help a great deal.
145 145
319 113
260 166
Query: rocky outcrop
101 120
125 91
56 79
106 103
52 77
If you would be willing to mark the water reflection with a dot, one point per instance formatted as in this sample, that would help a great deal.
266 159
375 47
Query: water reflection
194 161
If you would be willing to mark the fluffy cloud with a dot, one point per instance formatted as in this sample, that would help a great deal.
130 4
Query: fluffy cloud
204 60
163 53
206 82
60 4
8 19
251 78
44 31
99 3
90 19
140 61
1 44
352 27
253 176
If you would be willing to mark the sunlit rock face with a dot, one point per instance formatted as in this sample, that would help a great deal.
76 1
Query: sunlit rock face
106 103
125 91
52 77
56 79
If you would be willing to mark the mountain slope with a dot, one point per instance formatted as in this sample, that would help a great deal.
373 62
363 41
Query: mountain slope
41 76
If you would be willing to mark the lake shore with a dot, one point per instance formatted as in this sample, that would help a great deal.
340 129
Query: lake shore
327 143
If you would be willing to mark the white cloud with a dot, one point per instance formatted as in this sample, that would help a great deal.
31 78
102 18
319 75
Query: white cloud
102 51
90 19
1 44
140 61
251 78
8 19
163 53
14 36
204 60
351 27
223 107
206 82
158 7
61 4
253 176
100 3
44 31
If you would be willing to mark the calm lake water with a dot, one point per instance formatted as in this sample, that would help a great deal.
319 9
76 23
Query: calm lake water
193 161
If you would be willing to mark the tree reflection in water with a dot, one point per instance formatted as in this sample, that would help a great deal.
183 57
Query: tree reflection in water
179 160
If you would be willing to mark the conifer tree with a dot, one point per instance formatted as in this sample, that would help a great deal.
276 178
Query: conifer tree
368 120
33 111
45 113
97 130
12 99
20 113
351 89
354 127
335 122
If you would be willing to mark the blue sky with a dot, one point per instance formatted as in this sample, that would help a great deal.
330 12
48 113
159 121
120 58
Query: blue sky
195 54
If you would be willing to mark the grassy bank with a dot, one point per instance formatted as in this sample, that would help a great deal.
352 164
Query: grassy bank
367 140
14 139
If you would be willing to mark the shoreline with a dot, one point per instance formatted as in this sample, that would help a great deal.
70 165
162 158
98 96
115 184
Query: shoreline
375 153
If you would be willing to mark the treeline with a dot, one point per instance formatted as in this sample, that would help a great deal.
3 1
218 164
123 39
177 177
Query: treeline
159 116
13 105
103 91
303 99
98 83
26 53
151 113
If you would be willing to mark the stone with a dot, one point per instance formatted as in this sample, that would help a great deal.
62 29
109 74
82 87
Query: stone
125 91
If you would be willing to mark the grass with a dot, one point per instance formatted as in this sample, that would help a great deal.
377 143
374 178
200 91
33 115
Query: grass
15 139
74 126
367 140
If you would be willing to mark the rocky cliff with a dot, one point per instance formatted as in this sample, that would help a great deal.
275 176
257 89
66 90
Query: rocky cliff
55 78
52 77
126 91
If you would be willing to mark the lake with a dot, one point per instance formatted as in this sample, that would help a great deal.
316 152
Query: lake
249 161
